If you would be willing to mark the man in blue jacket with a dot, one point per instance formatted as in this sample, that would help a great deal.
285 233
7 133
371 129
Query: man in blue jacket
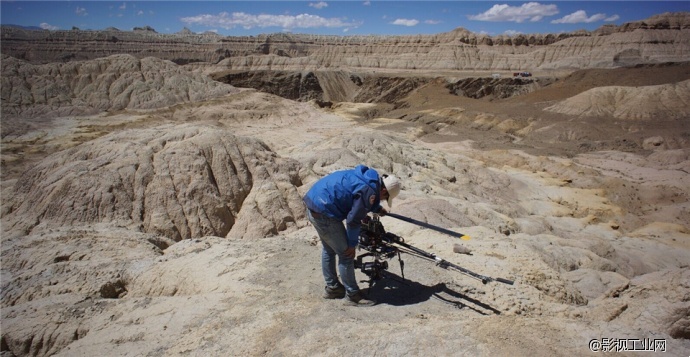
346 195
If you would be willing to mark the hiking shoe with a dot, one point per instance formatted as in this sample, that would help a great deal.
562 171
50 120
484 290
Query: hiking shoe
337 292
358 299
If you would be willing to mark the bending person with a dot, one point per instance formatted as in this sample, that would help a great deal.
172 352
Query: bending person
346 195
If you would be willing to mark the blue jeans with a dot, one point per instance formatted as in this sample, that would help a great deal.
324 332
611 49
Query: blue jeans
334 240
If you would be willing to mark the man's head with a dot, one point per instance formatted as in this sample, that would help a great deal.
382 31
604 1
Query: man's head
390 188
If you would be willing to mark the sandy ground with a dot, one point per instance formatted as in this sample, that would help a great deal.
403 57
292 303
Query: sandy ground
596 238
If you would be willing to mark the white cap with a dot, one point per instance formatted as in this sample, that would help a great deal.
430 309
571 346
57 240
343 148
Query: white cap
392 186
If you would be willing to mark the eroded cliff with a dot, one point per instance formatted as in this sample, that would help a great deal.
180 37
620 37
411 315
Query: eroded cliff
662 38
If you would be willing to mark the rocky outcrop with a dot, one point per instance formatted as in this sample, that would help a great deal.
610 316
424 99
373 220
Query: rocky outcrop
335 86
665 21
381 89
177 181
497 88
290 85
105 84
662 38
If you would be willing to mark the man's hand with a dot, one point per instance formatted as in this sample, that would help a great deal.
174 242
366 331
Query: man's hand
382 212
350 252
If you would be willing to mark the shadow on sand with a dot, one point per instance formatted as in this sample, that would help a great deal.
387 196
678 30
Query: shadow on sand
392 290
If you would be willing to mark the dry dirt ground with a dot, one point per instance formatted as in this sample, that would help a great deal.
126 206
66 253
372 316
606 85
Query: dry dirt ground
589 215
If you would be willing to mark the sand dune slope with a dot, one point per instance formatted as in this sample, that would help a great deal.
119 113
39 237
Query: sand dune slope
670 101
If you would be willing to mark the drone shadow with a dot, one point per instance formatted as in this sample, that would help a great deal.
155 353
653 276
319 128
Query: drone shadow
393 290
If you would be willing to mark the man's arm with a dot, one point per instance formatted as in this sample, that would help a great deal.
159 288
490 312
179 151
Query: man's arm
354 219
363 203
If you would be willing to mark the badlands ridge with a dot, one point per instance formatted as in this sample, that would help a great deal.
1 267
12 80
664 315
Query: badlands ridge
152 184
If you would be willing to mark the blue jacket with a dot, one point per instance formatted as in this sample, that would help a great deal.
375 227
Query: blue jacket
347 194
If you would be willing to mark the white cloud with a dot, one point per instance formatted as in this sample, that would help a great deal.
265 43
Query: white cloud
432 22
367 3
123 6
405 22
248 21
47 26
80 11
579 16
140 12
318 5
532 11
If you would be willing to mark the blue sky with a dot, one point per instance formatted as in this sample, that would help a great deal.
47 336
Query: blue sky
237 18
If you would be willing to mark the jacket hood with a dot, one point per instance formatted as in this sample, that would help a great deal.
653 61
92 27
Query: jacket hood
369 176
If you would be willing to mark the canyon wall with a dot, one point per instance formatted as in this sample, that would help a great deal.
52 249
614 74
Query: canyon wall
662 38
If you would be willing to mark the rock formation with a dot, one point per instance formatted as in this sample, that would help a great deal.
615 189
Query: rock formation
669 101
662 38
106 84
179 182
495 88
